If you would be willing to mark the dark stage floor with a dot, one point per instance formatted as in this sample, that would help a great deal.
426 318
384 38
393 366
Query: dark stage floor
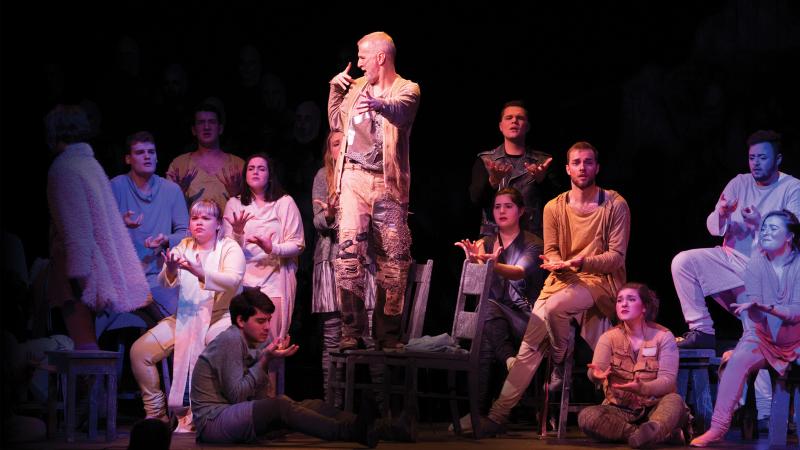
430 436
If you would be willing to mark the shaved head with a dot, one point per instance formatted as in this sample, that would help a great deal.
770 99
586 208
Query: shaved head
380 41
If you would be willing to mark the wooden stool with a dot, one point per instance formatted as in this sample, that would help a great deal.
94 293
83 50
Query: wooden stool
67 366
785 392
693 371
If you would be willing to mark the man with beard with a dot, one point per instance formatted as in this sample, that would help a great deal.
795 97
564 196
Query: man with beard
586 231
717 272
372 177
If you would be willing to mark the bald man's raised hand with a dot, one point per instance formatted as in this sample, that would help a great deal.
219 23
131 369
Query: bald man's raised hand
342 79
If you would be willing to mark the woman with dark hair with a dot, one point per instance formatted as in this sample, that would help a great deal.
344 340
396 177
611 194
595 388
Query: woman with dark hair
637 364
517 282
266 223
770 317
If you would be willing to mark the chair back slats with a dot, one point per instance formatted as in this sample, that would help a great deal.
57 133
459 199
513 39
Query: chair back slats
475 281
419 291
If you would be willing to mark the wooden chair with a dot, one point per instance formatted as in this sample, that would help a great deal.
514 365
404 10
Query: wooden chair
785 396
414 307
565 404
693 385
467 326
67 366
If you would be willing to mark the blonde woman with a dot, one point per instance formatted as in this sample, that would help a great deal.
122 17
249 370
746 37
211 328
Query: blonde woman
207 269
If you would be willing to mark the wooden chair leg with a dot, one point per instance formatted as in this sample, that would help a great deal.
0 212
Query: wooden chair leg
566 388
332 382
111 415
474 401
545 402
779 415
796 402
52 404
349 384
387 390
411 399
94 394
451 388
70 406
749 416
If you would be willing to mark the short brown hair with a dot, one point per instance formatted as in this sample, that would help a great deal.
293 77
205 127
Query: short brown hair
515 104
583 145
139 136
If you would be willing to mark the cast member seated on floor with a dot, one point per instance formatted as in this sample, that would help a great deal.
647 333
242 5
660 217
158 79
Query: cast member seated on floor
517 281
207 270
230 379
637 364
770 314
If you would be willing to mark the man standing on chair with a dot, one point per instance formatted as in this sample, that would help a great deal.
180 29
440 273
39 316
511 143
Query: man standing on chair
586 231
372 179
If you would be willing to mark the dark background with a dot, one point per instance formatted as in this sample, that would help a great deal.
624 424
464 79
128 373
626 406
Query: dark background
667 91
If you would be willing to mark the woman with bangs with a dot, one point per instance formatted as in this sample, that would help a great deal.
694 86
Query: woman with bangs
265 221
207 270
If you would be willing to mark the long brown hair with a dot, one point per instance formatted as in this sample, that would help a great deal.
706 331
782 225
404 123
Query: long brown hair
649 299
272 191
330 162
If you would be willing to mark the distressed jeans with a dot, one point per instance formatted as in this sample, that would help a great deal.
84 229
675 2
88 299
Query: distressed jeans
367 214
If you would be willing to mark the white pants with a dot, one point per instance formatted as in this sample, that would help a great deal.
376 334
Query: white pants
717 273
707 272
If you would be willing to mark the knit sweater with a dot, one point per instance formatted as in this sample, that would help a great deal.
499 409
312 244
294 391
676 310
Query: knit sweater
89 241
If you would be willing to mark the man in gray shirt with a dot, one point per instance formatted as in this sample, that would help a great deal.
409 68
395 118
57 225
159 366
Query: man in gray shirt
229 384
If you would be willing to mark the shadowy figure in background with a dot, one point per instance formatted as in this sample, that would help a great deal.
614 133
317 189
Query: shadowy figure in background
207 172
173 112
247 111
